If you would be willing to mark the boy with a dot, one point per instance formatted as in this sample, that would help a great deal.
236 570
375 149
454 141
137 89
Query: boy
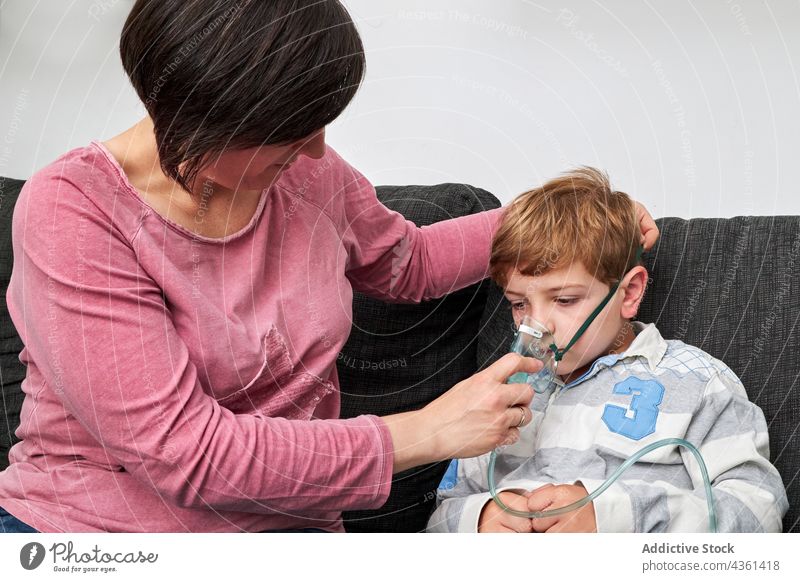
567 255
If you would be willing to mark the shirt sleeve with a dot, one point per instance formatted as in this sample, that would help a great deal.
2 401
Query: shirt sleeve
99 330
731 434
458 509
390 258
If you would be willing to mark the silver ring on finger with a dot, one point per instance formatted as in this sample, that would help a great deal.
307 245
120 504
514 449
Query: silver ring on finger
522 419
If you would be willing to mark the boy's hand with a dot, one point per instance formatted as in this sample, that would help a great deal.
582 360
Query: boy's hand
555 496
495 520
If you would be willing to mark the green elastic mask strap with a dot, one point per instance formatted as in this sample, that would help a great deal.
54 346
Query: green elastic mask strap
559 354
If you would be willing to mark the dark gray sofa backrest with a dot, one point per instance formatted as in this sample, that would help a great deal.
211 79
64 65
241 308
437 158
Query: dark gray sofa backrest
400 357
12 372
732 288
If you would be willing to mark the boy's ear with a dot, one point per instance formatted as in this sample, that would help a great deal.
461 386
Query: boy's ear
633 286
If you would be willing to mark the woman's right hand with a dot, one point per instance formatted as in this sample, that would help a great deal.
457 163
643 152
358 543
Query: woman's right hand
473 417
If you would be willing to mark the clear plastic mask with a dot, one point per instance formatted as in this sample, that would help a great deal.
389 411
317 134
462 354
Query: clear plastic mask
533 340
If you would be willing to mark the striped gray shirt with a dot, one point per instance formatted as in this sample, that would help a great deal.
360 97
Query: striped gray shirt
587 429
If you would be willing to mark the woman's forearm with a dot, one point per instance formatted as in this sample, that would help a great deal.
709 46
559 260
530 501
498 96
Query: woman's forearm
414 442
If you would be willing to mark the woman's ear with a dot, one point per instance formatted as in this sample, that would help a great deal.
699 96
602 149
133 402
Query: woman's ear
633 286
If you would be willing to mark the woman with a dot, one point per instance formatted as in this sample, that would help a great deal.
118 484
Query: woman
183 290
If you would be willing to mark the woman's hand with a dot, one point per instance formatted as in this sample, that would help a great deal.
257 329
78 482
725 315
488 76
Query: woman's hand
648 227
556 496
493 519
473 417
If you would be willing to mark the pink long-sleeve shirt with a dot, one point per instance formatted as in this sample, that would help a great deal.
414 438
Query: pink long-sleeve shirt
183 383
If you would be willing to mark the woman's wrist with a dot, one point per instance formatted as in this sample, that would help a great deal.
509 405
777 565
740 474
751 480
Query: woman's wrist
413 438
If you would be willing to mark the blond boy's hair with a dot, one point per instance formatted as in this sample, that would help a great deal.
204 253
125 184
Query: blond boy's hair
575 217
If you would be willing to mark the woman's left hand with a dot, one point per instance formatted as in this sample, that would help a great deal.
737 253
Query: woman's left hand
648 227
554 496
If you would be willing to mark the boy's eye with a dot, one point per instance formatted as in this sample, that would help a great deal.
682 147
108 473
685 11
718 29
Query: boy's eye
566 300
518 306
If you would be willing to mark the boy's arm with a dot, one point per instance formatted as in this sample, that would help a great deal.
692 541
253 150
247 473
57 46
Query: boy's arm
731 434
458 508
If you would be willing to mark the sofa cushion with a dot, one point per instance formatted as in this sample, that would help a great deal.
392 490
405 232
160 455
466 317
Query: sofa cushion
732 288
12 372
400 357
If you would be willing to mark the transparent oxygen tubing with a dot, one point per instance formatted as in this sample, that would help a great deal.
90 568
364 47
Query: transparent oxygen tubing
712 515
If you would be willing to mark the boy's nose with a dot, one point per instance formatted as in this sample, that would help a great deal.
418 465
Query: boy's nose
542 315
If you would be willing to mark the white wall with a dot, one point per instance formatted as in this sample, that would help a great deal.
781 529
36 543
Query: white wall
61 81
692 107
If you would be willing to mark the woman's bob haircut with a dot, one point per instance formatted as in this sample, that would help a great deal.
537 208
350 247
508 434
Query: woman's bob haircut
237 74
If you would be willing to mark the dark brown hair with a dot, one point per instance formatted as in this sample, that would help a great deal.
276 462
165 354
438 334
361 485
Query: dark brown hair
575 217
220 74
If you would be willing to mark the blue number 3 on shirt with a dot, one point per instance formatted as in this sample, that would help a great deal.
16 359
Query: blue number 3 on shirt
647 395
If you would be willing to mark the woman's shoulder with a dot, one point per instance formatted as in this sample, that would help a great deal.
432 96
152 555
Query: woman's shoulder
83 176
80 167
316 179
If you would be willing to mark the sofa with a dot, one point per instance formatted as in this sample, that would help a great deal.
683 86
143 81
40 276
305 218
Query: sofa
728 286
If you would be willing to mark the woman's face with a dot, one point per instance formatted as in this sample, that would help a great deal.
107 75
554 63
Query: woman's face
257 168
